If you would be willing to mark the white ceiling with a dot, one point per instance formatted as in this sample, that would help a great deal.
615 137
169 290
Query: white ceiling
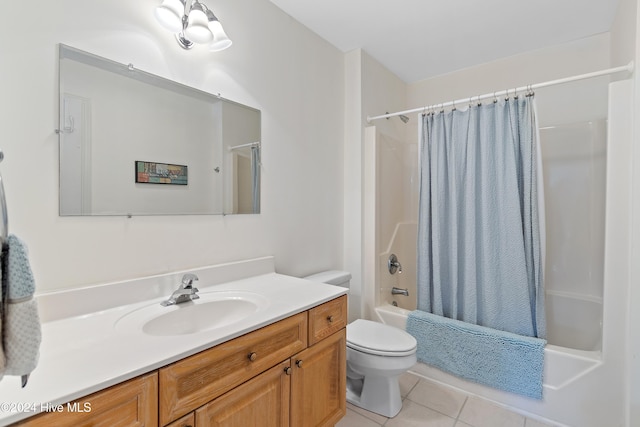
417 39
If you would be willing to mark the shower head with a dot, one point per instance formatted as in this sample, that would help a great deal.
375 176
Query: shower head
404 118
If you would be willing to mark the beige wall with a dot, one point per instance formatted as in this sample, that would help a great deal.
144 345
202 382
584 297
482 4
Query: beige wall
625 33
275 65
370 90
577 57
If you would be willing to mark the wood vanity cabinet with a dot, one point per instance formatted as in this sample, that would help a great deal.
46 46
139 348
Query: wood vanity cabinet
306 391
262 401
188 420
327 318
291 373
318 383
196 380
133 403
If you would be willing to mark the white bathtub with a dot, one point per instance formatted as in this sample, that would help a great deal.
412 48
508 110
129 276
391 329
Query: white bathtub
565 373
587 375
574 321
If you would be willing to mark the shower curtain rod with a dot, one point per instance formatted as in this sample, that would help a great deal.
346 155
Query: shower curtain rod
250 144
629 68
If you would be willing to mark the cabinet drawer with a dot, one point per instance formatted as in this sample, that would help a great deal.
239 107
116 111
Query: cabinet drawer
327 319
132 404
196 380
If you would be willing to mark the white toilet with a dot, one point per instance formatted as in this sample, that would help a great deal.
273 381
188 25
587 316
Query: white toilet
377 354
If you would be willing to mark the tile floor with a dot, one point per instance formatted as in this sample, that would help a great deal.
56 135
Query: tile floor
428 404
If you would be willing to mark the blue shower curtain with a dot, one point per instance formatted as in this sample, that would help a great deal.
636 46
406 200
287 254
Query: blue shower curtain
479 245
255 178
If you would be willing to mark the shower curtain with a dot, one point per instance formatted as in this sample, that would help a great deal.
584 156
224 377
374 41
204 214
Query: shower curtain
255 178
479 243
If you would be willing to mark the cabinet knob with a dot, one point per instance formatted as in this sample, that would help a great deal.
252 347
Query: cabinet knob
299 363
330 319
252 356
287 370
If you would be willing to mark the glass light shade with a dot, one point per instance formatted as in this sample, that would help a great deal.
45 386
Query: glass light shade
198 30
220 39
169 15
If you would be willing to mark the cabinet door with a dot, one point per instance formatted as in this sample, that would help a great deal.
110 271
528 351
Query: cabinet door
188 420
318 386
131 404
260 402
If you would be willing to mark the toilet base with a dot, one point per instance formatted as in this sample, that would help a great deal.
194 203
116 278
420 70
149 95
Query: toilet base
376 394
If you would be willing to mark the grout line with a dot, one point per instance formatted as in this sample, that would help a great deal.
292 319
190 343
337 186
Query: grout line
466 399
414 386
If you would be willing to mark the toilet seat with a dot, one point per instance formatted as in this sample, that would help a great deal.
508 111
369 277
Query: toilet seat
379 339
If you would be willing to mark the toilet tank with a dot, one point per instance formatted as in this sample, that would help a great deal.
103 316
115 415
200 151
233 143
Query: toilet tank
332 277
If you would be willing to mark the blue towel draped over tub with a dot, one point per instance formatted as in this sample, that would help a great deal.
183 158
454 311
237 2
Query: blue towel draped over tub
498 359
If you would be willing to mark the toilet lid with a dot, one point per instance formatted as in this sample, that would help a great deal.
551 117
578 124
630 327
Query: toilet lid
379 339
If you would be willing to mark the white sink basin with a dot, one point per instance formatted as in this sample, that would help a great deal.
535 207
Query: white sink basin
212 310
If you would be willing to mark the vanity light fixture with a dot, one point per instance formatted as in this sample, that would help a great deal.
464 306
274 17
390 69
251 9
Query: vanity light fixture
192 22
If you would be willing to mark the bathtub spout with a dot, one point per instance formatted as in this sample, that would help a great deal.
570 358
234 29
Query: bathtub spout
398 291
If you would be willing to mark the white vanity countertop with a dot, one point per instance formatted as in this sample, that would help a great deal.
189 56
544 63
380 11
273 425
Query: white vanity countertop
83 354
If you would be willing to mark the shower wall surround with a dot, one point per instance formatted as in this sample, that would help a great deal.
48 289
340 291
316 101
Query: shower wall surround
590 101
301 219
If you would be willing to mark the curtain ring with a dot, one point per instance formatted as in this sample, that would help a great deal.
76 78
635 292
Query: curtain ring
454 105
479 102
495 98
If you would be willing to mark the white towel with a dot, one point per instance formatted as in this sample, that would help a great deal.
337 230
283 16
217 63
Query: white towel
21 329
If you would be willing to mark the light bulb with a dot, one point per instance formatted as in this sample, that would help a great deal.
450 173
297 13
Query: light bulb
220 39
198 29
169 15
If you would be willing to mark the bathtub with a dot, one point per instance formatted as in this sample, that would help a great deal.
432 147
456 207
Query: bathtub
567 371
574 321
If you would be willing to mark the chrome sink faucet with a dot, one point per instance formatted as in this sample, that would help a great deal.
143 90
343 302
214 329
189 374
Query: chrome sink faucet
185 292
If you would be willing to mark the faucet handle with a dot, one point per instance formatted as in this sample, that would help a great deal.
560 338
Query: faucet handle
393 264
188 279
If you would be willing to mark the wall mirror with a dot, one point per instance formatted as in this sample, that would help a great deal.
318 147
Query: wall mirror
132 143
